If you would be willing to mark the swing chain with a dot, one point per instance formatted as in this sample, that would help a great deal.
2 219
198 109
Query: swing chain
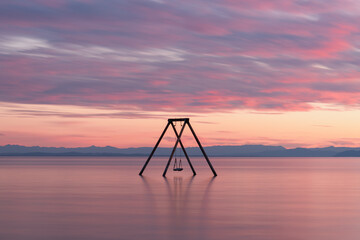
177 164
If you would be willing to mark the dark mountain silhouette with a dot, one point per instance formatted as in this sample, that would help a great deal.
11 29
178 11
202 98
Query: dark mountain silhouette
305 152
349 153
223 151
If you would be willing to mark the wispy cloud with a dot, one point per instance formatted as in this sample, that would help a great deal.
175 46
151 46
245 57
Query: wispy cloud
42 48
11 45
43 110
322 125
319 66
346 142
197 56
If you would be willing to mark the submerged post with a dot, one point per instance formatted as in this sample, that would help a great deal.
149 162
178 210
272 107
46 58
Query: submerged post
184 121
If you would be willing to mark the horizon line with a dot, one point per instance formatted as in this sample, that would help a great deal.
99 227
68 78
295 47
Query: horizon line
330 146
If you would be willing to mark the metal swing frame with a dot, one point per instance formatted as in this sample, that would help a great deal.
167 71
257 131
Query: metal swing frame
186 121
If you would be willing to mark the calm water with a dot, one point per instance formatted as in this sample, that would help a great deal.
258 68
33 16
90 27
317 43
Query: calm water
252 198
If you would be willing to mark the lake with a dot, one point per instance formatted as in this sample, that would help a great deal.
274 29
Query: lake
70 198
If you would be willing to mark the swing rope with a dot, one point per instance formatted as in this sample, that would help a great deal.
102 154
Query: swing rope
177 166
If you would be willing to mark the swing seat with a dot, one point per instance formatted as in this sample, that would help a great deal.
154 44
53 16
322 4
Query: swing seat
178 169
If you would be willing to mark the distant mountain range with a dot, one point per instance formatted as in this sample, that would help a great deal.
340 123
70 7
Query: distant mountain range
213 151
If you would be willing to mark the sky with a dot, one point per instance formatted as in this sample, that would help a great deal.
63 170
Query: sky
87 72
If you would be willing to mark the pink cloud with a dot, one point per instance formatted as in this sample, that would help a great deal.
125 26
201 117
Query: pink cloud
202 56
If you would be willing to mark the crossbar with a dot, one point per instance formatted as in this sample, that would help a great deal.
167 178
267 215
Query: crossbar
178 119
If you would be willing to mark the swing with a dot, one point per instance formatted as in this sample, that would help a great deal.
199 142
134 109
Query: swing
176 166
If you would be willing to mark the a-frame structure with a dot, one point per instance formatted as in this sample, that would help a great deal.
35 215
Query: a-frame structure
185 121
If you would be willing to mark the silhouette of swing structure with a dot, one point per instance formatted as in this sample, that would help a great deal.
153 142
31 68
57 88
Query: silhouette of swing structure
184 121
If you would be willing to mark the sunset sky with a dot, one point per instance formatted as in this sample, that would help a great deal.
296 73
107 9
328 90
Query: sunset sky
81 73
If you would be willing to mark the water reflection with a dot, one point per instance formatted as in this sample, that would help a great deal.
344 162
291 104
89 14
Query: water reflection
184 204
313 198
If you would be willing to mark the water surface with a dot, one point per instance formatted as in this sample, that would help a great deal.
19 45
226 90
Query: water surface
251 198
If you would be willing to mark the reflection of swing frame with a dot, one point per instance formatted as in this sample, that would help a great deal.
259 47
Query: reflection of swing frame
186 121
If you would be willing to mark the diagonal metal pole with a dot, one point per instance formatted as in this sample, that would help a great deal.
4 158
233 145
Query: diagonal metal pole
183 148
153 151
173 151
201 148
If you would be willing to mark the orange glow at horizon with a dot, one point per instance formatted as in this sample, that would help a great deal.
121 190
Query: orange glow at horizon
72 126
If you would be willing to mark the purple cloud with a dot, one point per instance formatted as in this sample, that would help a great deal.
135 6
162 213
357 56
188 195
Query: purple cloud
193 56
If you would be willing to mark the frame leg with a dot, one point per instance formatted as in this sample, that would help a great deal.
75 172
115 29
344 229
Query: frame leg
173 151
202 149
153 151
183 148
